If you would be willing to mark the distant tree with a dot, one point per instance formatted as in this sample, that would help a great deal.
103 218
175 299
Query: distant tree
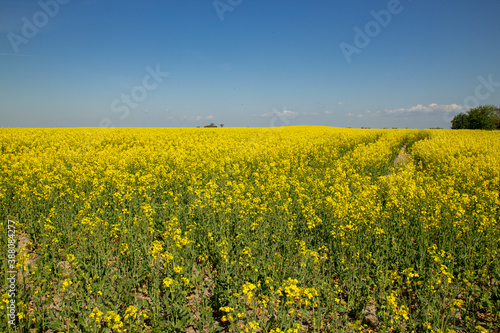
496 118
460 121
482 117
221 125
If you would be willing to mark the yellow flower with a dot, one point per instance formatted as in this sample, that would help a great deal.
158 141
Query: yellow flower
66 283
97 314
168 282
131 312
254 325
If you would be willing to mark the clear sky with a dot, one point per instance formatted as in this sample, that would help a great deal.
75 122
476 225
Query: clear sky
187 63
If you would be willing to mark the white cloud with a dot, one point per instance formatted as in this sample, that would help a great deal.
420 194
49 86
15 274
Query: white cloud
284 113
327 112
197 118
289 113
204 117
344 103
431 108
355 115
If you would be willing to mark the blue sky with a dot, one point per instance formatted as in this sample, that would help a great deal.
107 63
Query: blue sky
186 63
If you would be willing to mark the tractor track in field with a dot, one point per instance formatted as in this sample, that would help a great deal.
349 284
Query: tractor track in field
402 156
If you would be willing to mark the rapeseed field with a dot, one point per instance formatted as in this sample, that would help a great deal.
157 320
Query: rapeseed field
293 229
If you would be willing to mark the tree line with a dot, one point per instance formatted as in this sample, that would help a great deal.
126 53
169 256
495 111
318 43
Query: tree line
485 117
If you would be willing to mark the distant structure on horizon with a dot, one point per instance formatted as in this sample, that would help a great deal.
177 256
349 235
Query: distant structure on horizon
211 125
